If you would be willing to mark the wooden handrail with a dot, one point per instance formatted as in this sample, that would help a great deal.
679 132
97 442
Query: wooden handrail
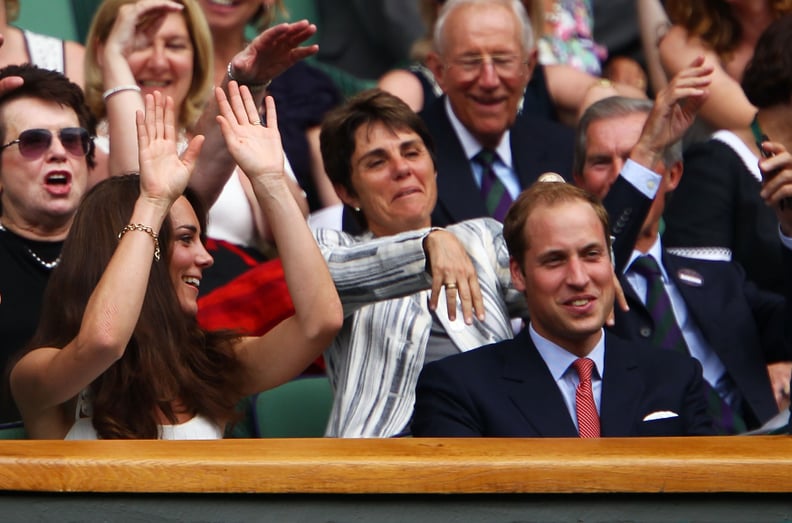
464 466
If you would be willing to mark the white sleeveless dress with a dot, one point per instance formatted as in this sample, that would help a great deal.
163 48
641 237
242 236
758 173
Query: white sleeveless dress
199 427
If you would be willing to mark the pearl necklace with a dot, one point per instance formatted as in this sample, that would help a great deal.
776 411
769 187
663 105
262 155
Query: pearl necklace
47 265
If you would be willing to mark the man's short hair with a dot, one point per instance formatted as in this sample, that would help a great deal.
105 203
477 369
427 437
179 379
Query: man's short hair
545 194
515 6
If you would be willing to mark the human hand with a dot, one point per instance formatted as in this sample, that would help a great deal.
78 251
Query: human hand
780 374
163 175
673 113
451 268
136 24
255 147
11 82
620 300
777 185
272 52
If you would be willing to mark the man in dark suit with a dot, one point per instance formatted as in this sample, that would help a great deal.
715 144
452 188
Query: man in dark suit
562 375
485 57
728 324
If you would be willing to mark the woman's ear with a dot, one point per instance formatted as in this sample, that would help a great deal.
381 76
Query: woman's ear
346 196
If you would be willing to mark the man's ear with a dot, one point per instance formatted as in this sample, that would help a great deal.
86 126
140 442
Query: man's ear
674 176
435 64
346 196
533 58
517 276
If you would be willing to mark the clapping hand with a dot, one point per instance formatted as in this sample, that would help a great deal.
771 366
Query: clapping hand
163 175
255 146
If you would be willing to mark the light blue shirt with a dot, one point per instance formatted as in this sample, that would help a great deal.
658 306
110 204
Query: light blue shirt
713 369
503 165
560 361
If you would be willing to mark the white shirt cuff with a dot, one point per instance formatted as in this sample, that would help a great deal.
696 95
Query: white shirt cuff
643 179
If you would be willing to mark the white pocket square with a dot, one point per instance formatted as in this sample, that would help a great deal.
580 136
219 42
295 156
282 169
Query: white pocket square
660 414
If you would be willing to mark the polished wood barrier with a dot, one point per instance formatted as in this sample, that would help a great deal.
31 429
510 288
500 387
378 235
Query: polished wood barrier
758 464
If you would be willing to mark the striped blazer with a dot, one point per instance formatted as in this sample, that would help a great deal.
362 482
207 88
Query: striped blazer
374 361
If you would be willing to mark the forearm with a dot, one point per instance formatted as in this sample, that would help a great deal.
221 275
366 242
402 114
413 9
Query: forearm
307 277
215 163
114 306
121 107
375 270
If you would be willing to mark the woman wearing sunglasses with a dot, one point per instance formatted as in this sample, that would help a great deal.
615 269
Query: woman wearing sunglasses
119 353
45 154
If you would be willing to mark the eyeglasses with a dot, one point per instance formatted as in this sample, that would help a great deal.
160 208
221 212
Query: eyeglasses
505 65
35 142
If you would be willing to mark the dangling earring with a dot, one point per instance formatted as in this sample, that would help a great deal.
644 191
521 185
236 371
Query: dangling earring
357 209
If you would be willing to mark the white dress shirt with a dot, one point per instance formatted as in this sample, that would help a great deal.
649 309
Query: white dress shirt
503 165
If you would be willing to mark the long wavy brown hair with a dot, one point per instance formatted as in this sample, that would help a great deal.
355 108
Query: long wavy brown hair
170 365
714 21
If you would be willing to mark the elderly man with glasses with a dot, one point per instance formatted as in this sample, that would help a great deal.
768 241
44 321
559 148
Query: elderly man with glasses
484 56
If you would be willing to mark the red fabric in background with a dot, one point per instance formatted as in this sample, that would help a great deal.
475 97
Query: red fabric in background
252 303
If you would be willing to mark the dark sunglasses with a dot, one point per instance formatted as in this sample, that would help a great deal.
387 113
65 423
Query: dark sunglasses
35 142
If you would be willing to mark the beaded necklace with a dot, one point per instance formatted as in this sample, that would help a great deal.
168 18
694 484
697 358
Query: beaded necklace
47 265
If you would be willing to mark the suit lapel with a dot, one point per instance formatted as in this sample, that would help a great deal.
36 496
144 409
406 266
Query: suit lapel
622 389
459 198
533 154
533 391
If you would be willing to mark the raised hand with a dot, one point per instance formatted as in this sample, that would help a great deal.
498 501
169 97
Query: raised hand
163 175
453 271
272 52
777 186
10 82
136 24
674 110
255 147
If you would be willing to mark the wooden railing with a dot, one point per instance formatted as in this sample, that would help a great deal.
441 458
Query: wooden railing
758 464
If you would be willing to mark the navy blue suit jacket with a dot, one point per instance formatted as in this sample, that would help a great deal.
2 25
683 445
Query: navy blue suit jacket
506 389
742 324
538 145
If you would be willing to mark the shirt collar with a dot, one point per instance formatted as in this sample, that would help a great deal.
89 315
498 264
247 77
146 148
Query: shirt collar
471 146
559 359
656 252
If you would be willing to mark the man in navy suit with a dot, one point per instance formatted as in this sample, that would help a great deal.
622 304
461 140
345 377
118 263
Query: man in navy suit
734 329
559 245
484 60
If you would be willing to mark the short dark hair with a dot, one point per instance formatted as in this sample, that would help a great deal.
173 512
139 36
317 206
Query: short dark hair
767 79
545 194
50 86
337 137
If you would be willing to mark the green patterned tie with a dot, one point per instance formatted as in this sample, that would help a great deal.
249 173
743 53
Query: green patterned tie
667 335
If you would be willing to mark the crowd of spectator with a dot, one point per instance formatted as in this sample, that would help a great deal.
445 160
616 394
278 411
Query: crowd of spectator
470 215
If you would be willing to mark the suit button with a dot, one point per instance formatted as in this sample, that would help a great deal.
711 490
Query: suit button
645 332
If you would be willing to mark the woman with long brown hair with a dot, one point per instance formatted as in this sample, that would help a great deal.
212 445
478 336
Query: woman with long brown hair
118 343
